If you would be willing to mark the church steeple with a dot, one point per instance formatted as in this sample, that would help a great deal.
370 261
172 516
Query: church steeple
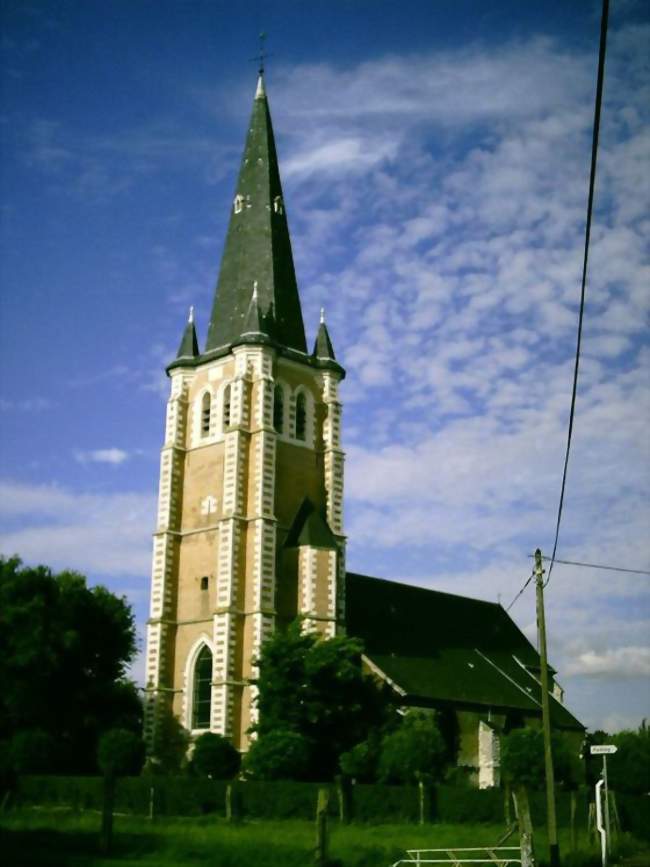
258 247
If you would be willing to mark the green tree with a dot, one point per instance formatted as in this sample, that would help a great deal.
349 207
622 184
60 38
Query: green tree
522 759
414 749
628 770
214 756
64 652
315 688
278 755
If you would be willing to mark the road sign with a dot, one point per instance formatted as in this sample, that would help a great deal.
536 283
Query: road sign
602 749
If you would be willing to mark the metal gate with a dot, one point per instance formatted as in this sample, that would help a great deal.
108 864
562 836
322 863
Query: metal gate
498 856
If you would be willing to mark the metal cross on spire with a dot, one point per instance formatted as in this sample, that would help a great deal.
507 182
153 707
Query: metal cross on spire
262 55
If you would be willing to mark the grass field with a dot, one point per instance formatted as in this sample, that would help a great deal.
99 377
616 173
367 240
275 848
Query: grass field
64 839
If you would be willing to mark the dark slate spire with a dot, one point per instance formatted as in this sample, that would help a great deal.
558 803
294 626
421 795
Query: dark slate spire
258 248
189 347
323 348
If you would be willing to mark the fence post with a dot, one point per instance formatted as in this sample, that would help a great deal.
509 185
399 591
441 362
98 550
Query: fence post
522 809
344 793
574 836
321 827
152 795
232 803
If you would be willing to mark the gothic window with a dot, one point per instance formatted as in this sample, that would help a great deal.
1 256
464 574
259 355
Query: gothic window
301 417
278 409
202 689
206 407
226 407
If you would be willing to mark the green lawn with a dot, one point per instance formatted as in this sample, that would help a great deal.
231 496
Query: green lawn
64 839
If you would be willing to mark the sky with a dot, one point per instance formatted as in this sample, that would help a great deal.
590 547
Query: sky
435 162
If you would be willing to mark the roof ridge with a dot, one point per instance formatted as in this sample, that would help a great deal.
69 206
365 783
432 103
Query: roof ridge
427 589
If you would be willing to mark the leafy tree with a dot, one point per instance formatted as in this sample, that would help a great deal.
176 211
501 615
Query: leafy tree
33 752
315 688
64 651
628 770
120 752
522 759
214 756
414 749
360 762
172 742
278 755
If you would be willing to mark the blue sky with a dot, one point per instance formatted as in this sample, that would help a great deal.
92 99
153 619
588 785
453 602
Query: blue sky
435 159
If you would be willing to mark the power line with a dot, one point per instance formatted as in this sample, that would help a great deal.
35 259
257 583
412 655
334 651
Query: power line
532 575
590 203
600 566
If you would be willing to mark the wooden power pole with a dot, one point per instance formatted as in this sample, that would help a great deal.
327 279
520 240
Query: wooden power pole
554 848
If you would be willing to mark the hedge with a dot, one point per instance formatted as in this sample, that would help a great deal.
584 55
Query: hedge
192 796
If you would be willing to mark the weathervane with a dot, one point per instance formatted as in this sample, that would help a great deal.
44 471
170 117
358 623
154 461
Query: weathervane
261 57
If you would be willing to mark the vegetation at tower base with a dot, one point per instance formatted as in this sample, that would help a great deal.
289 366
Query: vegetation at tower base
522 760
64 650
313 692
215 757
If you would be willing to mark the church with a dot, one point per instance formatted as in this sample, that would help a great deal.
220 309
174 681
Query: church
250 532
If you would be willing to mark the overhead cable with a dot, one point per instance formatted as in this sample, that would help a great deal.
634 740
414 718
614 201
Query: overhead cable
590 203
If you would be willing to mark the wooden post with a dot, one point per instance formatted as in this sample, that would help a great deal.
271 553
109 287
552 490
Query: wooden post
507 810
553 845
152 796
106 833
522 809
574 837
232 803
321 828
343 791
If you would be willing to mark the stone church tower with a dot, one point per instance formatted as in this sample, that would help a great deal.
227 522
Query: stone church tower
249 528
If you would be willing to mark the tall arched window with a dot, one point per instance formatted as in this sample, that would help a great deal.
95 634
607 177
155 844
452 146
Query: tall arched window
206 408
226 407
202 689
278 408
301 417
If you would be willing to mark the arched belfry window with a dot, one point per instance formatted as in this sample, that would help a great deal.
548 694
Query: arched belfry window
301 417
202 689
206 409
226 407
278 408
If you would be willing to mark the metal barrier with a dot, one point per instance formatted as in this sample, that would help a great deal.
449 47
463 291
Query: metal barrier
456 857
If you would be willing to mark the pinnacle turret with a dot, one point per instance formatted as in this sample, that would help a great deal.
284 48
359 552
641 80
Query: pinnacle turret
258 247
323 348
189 345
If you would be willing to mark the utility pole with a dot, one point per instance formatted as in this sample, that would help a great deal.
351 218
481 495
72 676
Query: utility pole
554 848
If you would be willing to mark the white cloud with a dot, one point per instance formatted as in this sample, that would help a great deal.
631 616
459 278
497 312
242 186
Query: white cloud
619 662
113 456
99 534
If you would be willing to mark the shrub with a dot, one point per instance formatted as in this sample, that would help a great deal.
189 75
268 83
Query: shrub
522 759
279 755
214 756
33 752
416 747
360 762
120 752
